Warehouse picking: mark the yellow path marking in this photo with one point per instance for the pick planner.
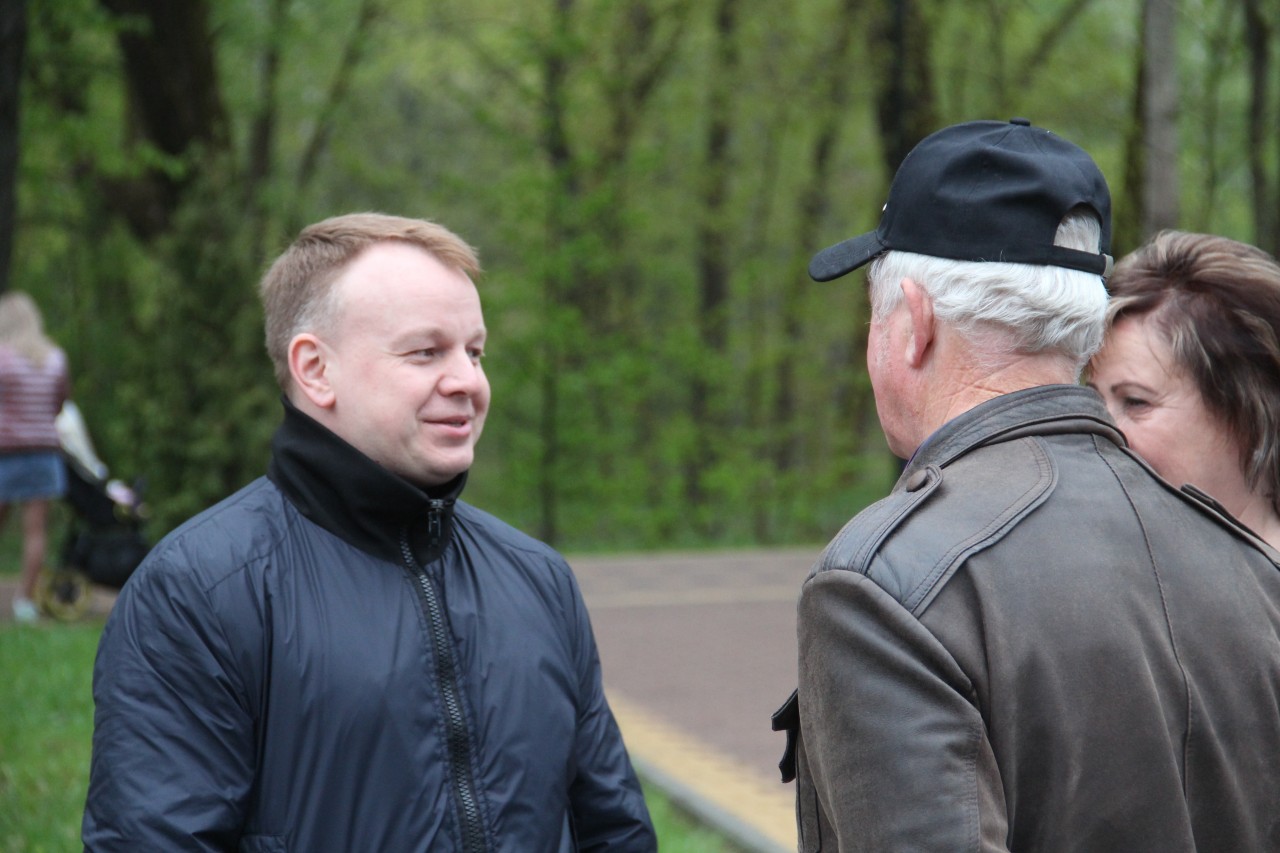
(763, 814)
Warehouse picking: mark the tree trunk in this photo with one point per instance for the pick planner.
(175, 104)
(1160, 184)
(900, 40)
(560, 277)
(712, 249)
(1219, 42)
(1257, 37)
(1128, 206)
(813, 205)
(1273, 246)
(13, 42)
(644, 46)
(713, 273)
(337, 94)
(262, 133)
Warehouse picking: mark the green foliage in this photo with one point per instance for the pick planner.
(210, 401)
(166, 350)
(621, 165)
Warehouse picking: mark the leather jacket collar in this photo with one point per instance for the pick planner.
(339, 488)
(1043, 410)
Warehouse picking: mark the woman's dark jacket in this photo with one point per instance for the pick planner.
(334, 660)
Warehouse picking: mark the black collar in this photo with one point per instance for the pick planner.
(339, 488)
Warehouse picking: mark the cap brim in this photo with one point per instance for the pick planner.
(845, 257)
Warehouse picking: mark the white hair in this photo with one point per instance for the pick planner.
(1008, 308)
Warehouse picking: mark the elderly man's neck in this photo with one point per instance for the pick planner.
(966, 374)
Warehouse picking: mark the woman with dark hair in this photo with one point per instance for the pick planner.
(1190, 369)
(33, 387)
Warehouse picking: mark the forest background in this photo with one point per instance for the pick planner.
(645, 181)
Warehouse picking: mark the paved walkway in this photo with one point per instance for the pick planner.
(698, 650)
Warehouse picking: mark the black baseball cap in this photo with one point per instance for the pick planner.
(984, 191)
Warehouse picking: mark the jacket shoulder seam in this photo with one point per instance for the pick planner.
(854, 547)
(1016, 505)
(167, 552)
(962, 508)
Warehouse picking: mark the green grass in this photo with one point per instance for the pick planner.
(45, 732)
(46, 725)
(677, 833)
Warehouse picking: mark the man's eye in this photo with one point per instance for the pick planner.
(1134, 403)
(476, 354)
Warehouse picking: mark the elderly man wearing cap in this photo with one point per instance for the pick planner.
(1033, 643)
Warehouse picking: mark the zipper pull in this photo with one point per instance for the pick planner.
(435, 523)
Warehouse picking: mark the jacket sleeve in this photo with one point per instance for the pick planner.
(609, 811)
(173, 742)
(895, 751)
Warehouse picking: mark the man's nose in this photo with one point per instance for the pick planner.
(462, 374)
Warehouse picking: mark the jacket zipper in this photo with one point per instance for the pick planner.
(458, 736)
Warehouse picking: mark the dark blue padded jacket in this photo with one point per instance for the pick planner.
(334, 660)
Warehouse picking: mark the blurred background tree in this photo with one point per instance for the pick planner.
(645, 180)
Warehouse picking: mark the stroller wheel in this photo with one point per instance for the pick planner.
(66, 594)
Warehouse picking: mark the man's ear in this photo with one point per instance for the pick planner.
(923, 330)
(309, 365)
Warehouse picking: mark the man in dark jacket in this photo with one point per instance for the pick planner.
(343, 656)
(1033, 643)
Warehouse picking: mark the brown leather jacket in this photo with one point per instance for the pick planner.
(1035, 644)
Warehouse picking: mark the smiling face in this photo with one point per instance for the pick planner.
(1160, 410)
(400, 368)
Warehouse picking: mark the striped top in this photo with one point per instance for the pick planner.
(30, 399)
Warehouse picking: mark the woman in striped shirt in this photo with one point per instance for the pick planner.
(33, 387)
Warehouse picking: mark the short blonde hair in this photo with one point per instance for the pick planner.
(297, 290)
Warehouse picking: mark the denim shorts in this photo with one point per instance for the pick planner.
(32, 474)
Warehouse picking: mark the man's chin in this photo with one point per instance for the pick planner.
(437, 474)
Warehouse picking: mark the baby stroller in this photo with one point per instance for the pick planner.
(104, 541)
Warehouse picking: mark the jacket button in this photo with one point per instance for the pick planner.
(917, 480)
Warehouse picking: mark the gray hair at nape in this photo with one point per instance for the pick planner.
(1006, 309)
